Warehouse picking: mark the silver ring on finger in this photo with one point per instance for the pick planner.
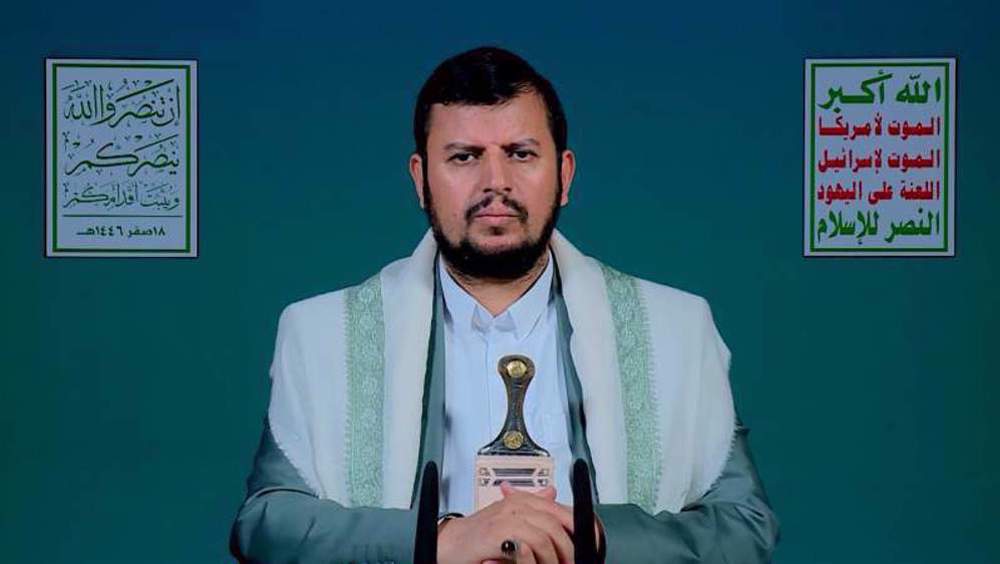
(509, 548)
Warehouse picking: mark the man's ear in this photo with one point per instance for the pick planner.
(417, 174)
(566, 170)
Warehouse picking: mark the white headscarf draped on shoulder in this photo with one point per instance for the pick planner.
(348, 371)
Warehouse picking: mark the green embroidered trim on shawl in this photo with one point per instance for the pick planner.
(365, 344)
(638, 395)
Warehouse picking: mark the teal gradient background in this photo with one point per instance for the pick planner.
(134, 389)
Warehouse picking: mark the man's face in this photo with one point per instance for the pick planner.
(492, 187)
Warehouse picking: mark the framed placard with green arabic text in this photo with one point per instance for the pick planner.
(879, 157)
(121, 158)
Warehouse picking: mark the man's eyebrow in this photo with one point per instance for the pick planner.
(463, 146)
(477, 149)
(530, 141)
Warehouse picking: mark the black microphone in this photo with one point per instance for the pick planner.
(584, 542)
(425, 547)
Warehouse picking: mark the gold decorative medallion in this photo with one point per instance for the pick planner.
(517, 369)
(513, 440)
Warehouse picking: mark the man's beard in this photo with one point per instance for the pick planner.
(504, 264)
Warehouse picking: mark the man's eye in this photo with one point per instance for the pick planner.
(522, 155)
(462, 157)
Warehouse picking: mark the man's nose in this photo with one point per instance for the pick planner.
(495, 172)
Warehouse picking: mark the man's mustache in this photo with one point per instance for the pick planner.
(512, 204)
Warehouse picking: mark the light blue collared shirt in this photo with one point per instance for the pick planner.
(475, 398)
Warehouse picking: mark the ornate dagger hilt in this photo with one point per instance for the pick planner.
(516, 371)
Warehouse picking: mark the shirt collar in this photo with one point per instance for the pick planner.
(520, 317)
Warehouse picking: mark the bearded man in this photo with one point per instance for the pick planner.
(372, 381)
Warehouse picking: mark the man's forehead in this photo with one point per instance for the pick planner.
(515, 120)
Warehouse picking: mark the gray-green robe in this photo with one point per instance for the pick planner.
(287, 519)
